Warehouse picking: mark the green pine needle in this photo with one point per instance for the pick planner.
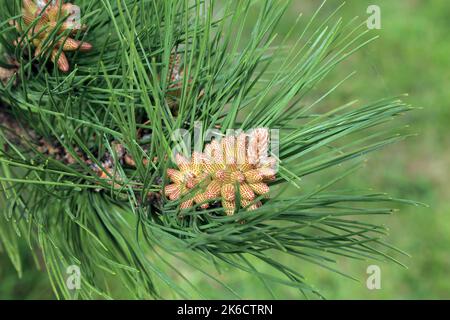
(69, 216)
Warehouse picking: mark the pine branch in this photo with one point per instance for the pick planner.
(77, 177)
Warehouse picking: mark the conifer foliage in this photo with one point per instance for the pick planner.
(93, 97)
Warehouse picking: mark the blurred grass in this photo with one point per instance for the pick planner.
(411, 56)
(33, 285)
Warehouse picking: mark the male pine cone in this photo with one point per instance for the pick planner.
(43, 19)
(235, 171)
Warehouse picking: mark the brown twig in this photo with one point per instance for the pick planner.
(19, 134)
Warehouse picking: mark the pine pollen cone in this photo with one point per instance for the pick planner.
(44, 19)
(234, 171)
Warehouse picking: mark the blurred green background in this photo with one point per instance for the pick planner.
(412, 56)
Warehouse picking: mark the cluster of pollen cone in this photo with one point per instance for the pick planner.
(42, 20)
(233, 172)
